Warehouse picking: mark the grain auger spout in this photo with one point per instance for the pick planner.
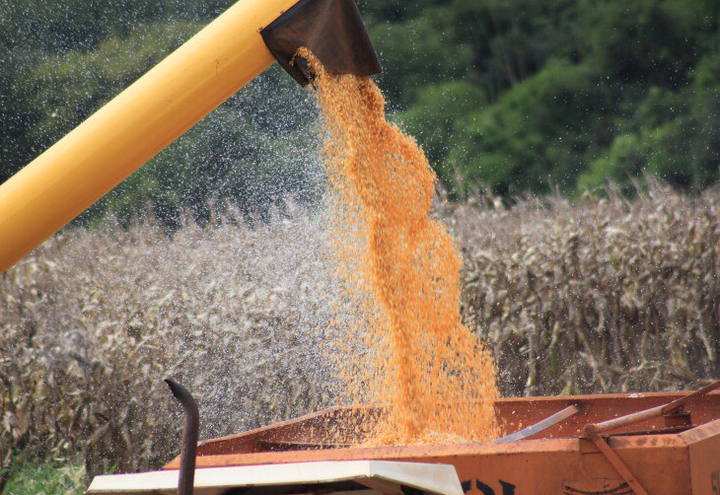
(167, 101)
(331, 29)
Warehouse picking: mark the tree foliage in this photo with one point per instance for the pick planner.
(517, 95)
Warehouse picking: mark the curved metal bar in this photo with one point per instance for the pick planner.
(186, 477)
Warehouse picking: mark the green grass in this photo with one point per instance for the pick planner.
(47, 479)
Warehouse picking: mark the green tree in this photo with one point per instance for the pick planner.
(433, 120)
(536, 135)
(63, 90)
(516, 94)
(417, 52)
(655, 42)
(674, 135)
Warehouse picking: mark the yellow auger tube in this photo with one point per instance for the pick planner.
(135, 126)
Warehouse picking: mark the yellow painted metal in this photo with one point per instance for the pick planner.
(133, 127)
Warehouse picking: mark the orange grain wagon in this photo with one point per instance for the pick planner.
(654, 443)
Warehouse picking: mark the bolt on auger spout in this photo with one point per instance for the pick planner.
(167, 101)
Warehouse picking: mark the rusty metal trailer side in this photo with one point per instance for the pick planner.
(668, 455)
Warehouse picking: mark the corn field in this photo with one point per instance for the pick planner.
(599, 295)
(595, 295)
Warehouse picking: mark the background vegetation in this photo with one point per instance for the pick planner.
(93, 320)
(604, 295)
(516, 95)
(47, 479)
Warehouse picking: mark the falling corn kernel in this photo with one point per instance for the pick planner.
(433, 377)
